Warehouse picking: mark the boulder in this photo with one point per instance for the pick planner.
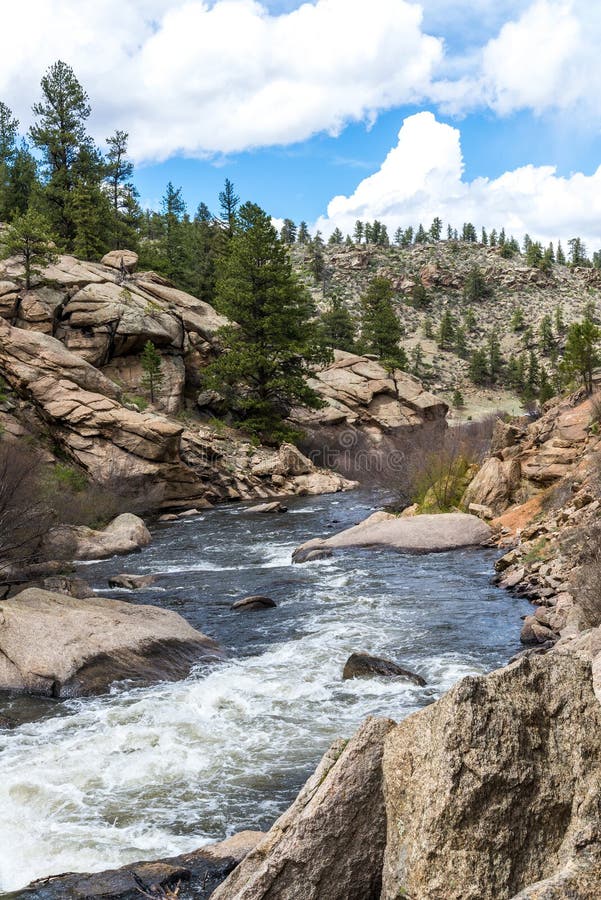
(363, 665)
(58, 646)
(253, 604)
(70, 585)
(413, 534)
(330, 843)
(131, 582)
(197, 875)
(494, 485)
(496, 786)
(125, 534)
(124, 260)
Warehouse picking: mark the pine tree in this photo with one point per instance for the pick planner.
(484, 238)
(358, 232)
(417, 360)
(421, 235)
(60, 135)
(495, 359)
(458, 401)
(288, 232)
(461, 348)
(152, 364)
(518, 321)
(337, 325)
(8, 148)
(546, 338)
(428, 328)
(229, 202)
(493, 238)
(559, 322)
(419, 296)
(475, 286)
(270, 350)
(577, 252)
(317, 262)
(336, 237)
(29, 237)
(173, 210)
(469, 233)
(21, 183)
(303, 234)
(561, 258)
(380, 328)
(545, 388)
(469, 320)
(123, 194)
(478, 369)
(436, 229)
(446, 331)
(581, 355)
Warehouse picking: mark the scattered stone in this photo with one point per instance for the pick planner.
(131, 582)
(253, 603)
(363, 665)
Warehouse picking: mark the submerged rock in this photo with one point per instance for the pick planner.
(57, 646)
(414, 534)
(131, 582)
(254, 603)
(197, 875)
(363, 665)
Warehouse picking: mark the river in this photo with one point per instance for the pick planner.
(150, 772)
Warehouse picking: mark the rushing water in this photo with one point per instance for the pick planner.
(90, 784)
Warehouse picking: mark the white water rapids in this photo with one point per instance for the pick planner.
(153, 772)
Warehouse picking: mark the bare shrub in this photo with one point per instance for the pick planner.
(437, 473)
(585, 582)
(25, 516)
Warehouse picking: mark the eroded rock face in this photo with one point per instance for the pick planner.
(330, 843)
(413, 534)
(58, 646)
(496, 786)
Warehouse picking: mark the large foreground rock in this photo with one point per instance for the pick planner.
(414, 534)
(197, 874)
(330, 843)
(57, 646)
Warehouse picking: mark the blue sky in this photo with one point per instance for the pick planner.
(336, 109)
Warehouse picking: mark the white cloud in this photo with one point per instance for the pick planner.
(422, 177)
(201, 78)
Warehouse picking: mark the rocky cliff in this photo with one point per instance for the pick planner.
(70, 357)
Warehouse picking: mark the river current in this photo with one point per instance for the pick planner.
(142, 773)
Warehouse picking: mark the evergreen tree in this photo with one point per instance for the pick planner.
(436, 229)
(493, 238)
(461, 348)
(577, 252)
(561, 258)
(228, 203)
(469, 233)
(173, 210)
(484, 238)
(581, 354)
(532, 377)
(518, 321)
(408, 236)
(20, 184)
(559, 322)
(8, 148)
(336, 237)
(337, 326)
(269, 351)
(446, 331)
(475, 286)
(29, 237)
(303, 233)
(60, 134)
(317, 262)
(417, 360)
(495, 359)
(458, 401)
(380, 328)
(152, 364)
(419, 296)
(469, 320)
(398, 237)
(545, 388)
(123, 194)
(358, 232)
(478, 369)
(288, 232)
(421, 235)
(546, 338)
(428, 328)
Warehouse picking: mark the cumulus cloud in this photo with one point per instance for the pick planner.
(422, 177)
(198, 78)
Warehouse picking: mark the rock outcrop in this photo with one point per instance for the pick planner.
(491, 793)
(363, 665)
(125, 534)
(407, 534)
(368, 416)
(58, 646)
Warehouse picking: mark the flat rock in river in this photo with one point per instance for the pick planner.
(416, 534)
(58, 646)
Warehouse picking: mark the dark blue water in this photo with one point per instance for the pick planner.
(152, 772)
